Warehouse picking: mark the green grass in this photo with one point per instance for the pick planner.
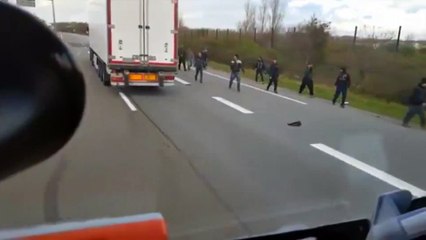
(360, 101)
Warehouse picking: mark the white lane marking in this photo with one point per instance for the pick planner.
(182, 81)
(385, 177)
(233, 105)
(258, 89)
(128, 102)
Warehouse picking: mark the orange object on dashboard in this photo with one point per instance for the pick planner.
(150, 226)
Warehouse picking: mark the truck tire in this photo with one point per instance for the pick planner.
(98, 69)
(105, 76)
(91, 58)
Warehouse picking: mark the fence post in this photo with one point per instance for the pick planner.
(240, 34)
(355, 36)
(227, 34)
(217, 34)
(272, 37)
(254, 35)
(399, 38)
(294, 29)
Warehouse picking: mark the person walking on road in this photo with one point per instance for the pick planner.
(190, 59)
(417, 102)
(236, 68)
(260, 69)
(274, 74)
(308, 80)
(343, 83)
(182, 58)
(205, 56)
(199, 65)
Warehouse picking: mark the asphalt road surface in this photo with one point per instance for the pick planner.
(216, 163)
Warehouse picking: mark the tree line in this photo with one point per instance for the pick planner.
(268, 16)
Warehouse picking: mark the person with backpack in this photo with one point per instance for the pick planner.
(236, 68)
(199, 67)
(416, 103)
(308, 80)
(343, 83)
(274, 73)
(260, 69)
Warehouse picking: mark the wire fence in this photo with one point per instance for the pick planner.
(374, 37)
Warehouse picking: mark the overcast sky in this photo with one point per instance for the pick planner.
(380, 16)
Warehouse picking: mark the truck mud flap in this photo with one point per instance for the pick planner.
(126, 80)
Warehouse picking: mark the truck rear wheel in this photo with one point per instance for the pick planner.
(91, 58)
(105, 76)
(99, 68)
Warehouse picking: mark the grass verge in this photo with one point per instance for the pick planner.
(360, 101)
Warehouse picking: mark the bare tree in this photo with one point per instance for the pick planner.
(409, 37)
(249, 23)
(263, 16)
(276, 13)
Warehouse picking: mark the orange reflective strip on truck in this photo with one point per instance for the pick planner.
(150, 226)
(152, 230)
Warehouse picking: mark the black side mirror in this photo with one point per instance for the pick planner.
(42, 92)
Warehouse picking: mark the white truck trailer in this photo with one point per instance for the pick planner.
(134, 42)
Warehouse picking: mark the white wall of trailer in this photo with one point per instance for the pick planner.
(98, 29)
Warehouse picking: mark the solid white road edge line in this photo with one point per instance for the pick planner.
(182, 81)
(258, 89)
(233, 105)
(128, 102)
(385, 177)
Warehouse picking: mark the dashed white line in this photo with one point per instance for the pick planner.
(182, 81)
(233, 105)
(128, 102)
(385, 177)
(258, 89)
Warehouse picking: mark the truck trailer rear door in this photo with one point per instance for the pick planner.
(126, 31)
(160, 21)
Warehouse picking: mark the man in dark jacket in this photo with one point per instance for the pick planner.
(236, 68)
(343, 83)
(308, 80)
(199, 65)
(417, 101)
(182, 58)
(274, 74)
(205, 56)
(260, 69)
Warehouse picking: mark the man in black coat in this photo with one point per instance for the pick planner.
(182, 58)
(199, 66)
(274, 73)
(417, 101)
(260, 69)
